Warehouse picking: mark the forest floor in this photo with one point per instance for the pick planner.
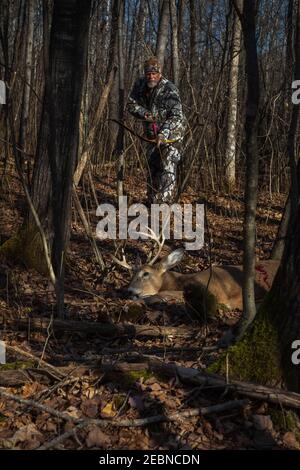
(107, 377)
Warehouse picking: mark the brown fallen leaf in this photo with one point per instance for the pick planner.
(28, 434)
(155, 387)
(30, 389)
(97, 438)
(90, 408)
(290, 440)
(74, 412)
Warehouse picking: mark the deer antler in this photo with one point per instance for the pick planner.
(122, 262)
(152, 235)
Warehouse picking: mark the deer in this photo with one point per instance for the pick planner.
(205, 291)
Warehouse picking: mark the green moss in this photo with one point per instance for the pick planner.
(130, 378)
(256, 357)
(26, 247)
(17, 365)
(285, 420)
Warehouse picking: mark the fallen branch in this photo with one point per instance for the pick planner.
(150, 420)
(126, 422)
(253, 390)
(54, 370)
(13, 378)
(62, 437)
(18, 377)
(195, 376)
(179, 415)
(103, 329)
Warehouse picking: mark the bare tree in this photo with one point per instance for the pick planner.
(293, 52)
(175, 49)
(251, 129)
(120, 138)
(193, 44)
(28, 74)
(163, 32)
(231, 132)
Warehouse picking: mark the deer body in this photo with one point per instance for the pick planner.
(223, 282)
(203, 291)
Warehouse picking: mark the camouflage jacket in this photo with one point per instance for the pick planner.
(164, 103)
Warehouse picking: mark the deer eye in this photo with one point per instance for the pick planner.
(146, 274)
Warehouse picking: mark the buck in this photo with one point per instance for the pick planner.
(203, 291)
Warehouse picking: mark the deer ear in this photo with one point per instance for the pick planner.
(171, 260)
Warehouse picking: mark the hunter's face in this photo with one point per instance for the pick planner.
(152, 79)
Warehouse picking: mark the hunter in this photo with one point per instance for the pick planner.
(156, 101)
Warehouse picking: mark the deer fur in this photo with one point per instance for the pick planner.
(223, 284)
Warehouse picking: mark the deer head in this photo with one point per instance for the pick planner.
(147, 279)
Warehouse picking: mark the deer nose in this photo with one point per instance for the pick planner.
(133, 292)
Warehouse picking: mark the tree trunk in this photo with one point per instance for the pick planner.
(267, 353)
(193, 45)
(139, 46)
(175, 50)
(231, 133)
(251, 127)
(112, 60)
(278, 247)
(28, 74)
(120, 138)
(293, 198)
(163, 31)
(264, 354)
(94, 126)
(292, 135)
(68, 49)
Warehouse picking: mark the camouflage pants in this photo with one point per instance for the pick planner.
(162, 181)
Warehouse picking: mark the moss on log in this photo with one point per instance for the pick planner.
(257, 356)
(26, 247)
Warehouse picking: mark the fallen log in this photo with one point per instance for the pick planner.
(58, 374)
(252, 390)
(19, 377)
(102, 329)
(13, 378)
(198, 377)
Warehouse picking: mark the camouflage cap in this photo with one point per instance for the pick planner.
(152, 65)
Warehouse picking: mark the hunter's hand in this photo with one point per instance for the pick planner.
(149, 117)
(159, 140)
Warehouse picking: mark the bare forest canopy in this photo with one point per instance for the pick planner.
(198, 57)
